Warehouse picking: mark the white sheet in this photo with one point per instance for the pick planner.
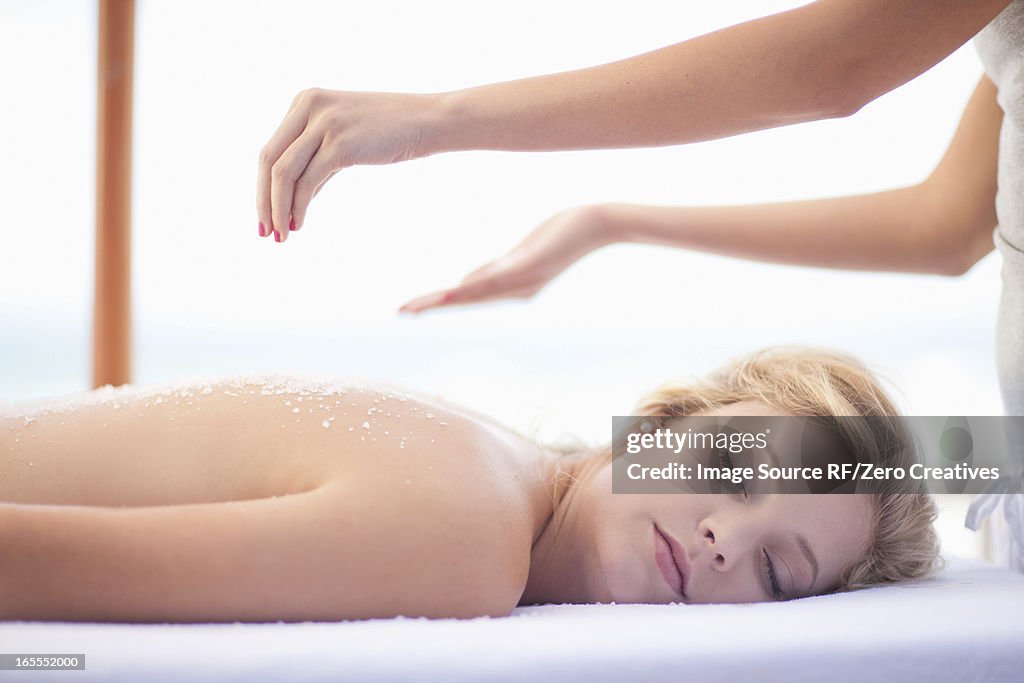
(966, 625)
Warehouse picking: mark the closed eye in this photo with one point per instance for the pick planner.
(776, 590)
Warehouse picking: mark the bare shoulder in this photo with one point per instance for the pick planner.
(440, 501)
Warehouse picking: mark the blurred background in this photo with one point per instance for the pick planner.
(211, 298)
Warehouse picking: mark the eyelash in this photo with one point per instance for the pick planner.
(776, 591)
(726, 460)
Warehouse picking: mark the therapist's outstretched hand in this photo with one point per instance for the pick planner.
(552, 247)
(326, 131)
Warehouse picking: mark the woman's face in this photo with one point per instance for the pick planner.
(720, 544)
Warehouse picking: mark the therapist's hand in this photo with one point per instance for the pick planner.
(326, 131)
(552, 247)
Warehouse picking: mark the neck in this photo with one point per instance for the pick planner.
(556, 573)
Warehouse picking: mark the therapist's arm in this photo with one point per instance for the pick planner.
(822, 60)
(826, 59)
(942, 225)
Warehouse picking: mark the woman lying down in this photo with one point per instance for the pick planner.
(279, 499)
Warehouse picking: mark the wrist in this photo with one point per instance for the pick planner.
(445, 124)
(604, 225)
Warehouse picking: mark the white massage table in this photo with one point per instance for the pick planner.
(965, 625)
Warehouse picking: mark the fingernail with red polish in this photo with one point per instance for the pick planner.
(291, 226)
(263, 231)
(277, 236)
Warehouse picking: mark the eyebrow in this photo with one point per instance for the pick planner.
(805, 548)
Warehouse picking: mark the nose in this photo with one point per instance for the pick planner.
(709, 543)
(724, 553)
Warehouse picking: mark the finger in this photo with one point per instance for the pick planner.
(291, 127)
(285, 172)
(454, 297)
(318, 171)
(423, 302)
(464, 293)
(468, 292)
(321, 185)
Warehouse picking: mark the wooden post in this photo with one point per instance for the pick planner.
(111, 335)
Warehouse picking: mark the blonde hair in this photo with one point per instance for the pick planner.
(903, 544)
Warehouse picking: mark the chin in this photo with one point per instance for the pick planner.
(619, 573)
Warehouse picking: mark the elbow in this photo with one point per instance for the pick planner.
(839, 101)
(849, 110)
(953, 266)
(961, 259)
(845, 104)
(956, 229)
(851, 94)
(855, 82)
(841, 90)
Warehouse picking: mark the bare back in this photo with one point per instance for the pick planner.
(327, 500)
(239, 439)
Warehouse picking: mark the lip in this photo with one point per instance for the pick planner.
(671, 561)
